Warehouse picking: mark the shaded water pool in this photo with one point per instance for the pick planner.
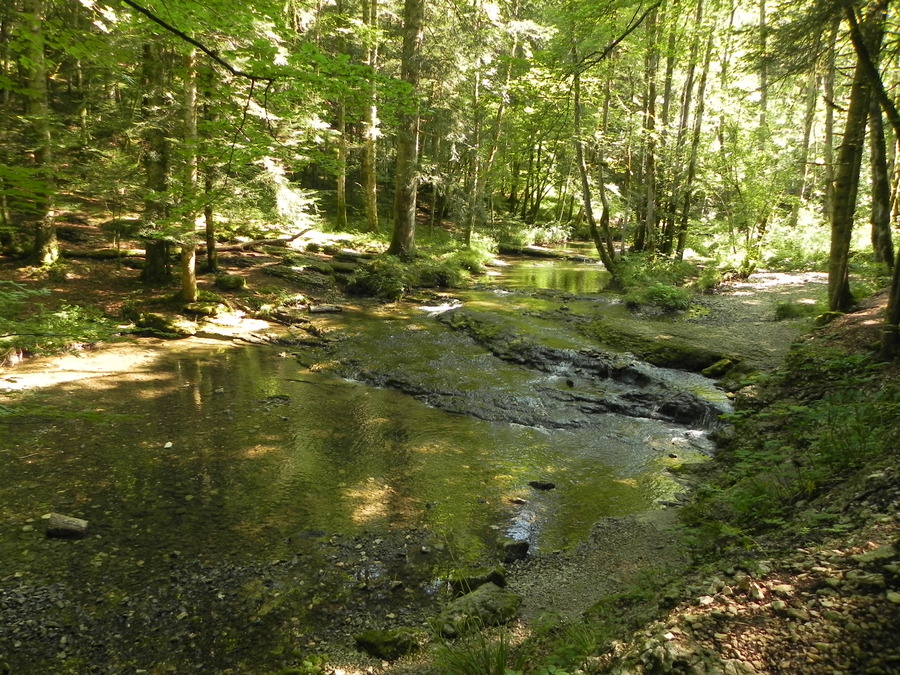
(230, 452)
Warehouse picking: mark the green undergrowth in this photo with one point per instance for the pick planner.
(662, 282)
(825, 417)
(389, 278)
(28, 327)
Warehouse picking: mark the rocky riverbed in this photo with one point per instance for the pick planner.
(198, 606)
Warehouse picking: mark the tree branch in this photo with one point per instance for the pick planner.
(199, 45)
(594, 58)
(871, 70)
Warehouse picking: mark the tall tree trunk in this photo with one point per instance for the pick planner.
(847, 173)
(882, 244)
(688, 187)
(763, 68)
(798, 189)
(828, 131)
(189, 190)
(155, 157)
(599, 234)
(45, 250)
(648, 241)
(476, 186)
(341, 179)
(370, 144)
(403, 239)
(209, 173)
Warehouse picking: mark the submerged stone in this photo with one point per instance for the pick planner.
(514, 549)
(60, 526)
(542, 484)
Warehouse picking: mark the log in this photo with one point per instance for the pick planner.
(243, 246)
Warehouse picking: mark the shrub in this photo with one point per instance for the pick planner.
(386, 278)
(670, 298)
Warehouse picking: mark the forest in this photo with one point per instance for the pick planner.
(728, 168)
(749, 134)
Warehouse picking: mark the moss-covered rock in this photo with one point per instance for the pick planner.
(205, 308)
(230, 282)
(659, 348)
(162, 325)
(488, 605)
(467, 580)
(389, 645)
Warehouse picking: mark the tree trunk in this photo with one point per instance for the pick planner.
(155, 158)
(828, 131)
(688, 188)
(370, 144)
(846, 183)
(209, 173)
(403, 239)
(341, 179)
(882, 244)
(600, 235)
(798, 189)
(45, 250)
(189, 291)
(648, 240)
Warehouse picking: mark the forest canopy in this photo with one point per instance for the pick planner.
(752, 134)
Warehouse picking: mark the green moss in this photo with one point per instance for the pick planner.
(660, 349)
(230, 282)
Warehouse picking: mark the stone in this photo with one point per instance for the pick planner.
(466, 581)
(325, 309)
(514, 550)
(542, 484)
(893, 597)
(60, 526)
(388, 645)
(882, 554)
(488, 605)
(718, 369)
(783, 590)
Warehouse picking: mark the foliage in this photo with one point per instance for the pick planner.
(480, 654)
(785, 309)
(793, 449)
(658, 281)
(29, 327)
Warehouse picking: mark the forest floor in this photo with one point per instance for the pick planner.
(802, 600)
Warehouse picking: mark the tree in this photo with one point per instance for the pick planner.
(45, 249)
(406, 180)
(846, 184)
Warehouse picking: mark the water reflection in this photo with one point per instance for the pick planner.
(233, 452)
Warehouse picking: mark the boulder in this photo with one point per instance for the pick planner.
(66, 527)
(388, 645)
(487, 605)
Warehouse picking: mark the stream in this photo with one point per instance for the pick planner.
(251, 504)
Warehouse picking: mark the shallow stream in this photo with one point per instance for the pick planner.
(216, 456)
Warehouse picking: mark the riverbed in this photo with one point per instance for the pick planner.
(252, 504)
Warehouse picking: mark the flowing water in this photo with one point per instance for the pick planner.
(239, 454)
